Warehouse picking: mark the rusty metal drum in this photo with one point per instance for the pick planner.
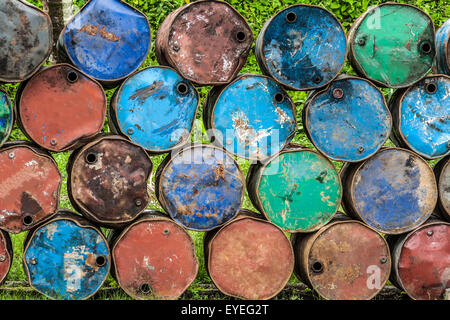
(30, 186)
(107, 180)
(344, 260)
(6, 255)
(421, 261)
(443, 49)
(155, 108)
(25, 41)
(200, 186)
(421, 117)
(392, 44)
(299, 190)
(248, 257)
(59, 108)
(442, 173)
(207, 42)
(253, 117)
(66, 258)
(302, 47)
(349, 120)
(6, 116)
(393, 192)
(153, 257)
(107, 39)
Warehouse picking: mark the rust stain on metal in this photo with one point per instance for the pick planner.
(93, 30)
(142, 94)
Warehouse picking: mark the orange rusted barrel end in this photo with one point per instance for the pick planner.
(6, 255)
(249, 257)
(153, 258)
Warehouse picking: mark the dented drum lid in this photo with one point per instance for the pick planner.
(107, 39)
(253, 117)
(201, 187)
(442, 173)
(155, 108)
(107, 180)
(25, 41)
(66, 258)
(349, 120)
(421, 117)
(298, 190)
(153, 257)
(393, 192)
(6, 255)
(392, 44)
(60, 107)
(6, 116)
(29, 188)
(302, 47)
(249, 257)
(207, 42)
(443, 49)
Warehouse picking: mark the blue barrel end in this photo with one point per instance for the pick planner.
(443, 49)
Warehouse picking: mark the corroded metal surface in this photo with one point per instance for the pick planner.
(60, 107)
(421, 117)
(443, 49)
(298, 190)
(107, 180)
(392, 44)
(394, 191)
(107, 39)
(253, 117)
(442, 173)
(344, 260)
(421, 261)
(303, 47)
(201, 187)
(6, 255)
(67, 258)
(249, 257)
(25, 39)
(155, 108)
(347, 121)
(29, 188)
(6, 116)
(206, 41)
(153, 258)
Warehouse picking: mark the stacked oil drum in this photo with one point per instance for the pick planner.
(397, 208)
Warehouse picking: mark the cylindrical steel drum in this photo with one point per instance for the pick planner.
(249, 257)
(207, 42)
(393, 192)
(107, 180)
(348, 120)
(29, 188)
(421, 261)
(59, 108)
(26, 39)
(344, 260)
(392, 44)
(6, 116)
(6, 255)
(155, 108)
(421, 117)
(107, 39)
(66, 258)
(302, 47)
(299, 190)
(153, 257)
(201, 187)
(442, 173)
(253, 117)
(443, 49)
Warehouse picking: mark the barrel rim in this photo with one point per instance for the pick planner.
(439, 169)
(443, 64)
(11, 118)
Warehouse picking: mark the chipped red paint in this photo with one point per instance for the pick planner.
(153, 258)
(29, 188)
(60, 107)
(207, 42)
(6, 255)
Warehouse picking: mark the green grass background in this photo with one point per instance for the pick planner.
(256, 12)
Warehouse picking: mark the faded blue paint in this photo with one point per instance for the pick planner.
(425, 118)
(61, 249)
(202, 188)
(149, 104)
(350, 128)
(105, 59)
(305, 54)
(442, 48)
(248, 122)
